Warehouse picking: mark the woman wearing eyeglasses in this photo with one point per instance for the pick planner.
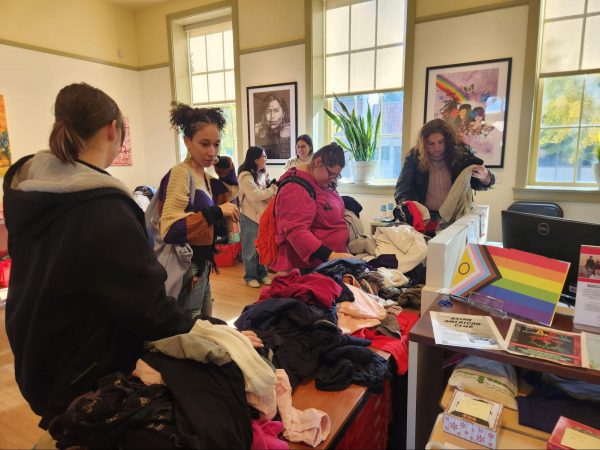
(304, 150)
(255, 192)
(310, 232)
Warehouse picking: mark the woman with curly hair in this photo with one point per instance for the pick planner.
(201, 221)
(431, 167)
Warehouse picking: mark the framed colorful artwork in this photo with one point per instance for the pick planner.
(5, 157)
(272, 120)
(473, 98)
(124, 156)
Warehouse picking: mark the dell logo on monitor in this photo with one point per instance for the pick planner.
(543, 229)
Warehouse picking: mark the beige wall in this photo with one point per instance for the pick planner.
(94, 29)
(151, 29)
(427, 8)
(267, 22)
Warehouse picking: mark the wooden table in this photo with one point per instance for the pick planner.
(342, 407)
(425, 375)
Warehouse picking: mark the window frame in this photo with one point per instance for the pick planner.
(377, 184)
(529, 126)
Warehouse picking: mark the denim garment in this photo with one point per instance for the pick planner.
(252, 269)
(196, 300)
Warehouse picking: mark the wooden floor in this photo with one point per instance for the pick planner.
(18, 424)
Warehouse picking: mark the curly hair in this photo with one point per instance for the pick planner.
(452, 141)
(188, 120)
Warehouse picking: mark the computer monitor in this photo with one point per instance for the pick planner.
(552, 237)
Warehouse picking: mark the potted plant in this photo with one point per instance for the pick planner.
(361, 137)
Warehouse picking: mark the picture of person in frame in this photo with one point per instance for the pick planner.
(273, 131)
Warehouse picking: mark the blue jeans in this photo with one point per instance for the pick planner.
(197, 298)
(252, 269)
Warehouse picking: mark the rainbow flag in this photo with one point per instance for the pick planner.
(528, 285)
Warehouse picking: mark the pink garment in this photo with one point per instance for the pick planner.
(310, 426)
(311, 288)
(304, 225)
(363, 312)
(397, 347)
(264, 436)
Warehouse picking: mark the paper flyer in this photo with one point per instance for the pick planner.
(587, 300)
(546, 343)
(465, 330)
(592, 344)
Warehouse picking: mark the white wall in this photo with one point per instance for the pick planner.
(279, 65)
(158, 142)
(29, 82)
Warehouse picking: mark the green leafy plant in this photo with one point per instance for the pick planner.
(597, 152)
(359, 131)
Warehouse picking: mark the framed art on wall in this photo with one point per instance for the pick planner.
(124, 156)
(5, 156)
(473, 98)
(272, 119)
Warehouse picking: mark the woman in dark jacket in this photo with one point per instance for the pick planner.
(431, 167)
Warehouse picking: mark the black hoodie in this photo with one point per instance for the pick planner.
(85, 289)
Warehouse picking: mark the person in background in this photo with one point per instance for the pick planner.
(431, 167)
(256, 190)
(86, 289)
(273, 131)
(202, 222)
(304, 151)
(310, 232)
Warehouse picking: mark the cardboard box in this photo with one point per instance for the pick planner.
(570, 435)
(473, 418)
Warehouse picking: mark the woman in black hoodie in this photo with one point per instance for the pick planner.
(86, 289)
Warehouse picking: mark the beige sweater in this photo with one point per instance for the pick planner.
(253, 197)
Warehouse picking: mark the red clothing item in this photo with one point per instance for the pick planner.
(264, 436)
(397, 347)
(304, 225)
(312, 288)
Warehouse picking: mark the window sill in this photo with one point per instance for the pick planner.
(557, 194)
(366, 189)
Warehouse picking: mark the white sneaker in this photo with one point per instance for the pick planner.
(253, 283)
(266, 281)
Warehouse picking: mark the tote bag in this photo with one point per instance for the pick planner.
(175, 258)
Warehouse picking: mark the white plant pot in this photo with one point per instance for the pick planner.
(363, 171)
(597, 173)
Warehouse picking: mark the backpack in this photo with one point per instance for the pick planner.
(176, 259)
(266, 246)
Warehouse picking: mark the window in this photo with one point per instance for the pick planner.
(567, 109)
(364, 65)
(389, 150)
(204, 55)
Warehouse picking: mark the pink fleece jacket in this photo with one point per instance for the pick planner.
(305, 226)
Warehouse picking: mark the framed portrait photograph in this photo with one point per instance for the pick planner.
(473, 98)
(272, 120)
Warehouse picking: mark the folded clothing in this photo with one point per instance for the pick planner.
(485, 378)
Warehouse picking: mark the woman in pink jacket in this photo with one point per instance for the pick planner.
(310, 232)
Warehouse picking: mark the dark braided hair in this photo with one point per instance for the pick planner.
(188, 120)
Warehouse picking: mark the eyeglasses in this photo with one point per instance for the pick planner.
(332, 175)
